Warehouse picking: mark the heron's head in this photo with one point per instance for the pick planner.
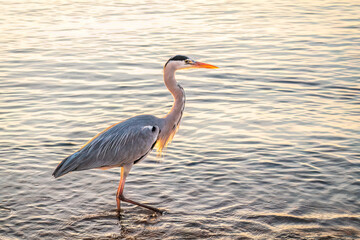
(183, 62)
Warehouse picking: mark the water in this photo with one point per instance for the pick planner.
(269, 143)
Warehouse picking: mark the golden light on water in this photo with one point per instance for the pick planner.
(268, 143)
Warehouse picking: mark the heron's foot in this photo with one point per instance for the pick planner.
(118, 215)
(122, 198)
(118, 210)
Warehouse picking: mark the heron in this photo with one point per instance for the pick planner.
(127, 143)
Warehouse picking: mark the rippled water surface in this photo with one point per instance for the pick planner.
(269, 143)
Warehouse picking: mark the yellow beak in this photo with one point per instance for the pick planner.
(203, 65)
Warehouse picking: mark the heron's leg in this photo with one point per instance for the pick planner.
(119, 195)
(120, 189)
(140, 204)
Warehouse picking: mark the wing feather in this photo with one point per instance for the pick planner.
(120, 144)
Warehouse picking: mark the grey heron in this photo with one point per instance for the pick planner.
(129, 142)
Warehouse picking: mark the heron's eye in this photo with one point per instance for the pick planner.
(188, 61)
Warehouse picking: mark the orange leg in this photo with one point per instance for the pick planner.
(120, 197)
(120, 190)
(141, 205)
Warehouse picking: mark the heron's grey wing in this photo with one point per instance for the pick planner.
(124, 143)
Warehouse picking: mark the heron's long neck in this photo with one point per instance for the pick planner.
(175, 114)
(172, 119)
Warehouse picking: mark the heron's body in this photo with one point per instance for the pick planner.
(129, 142)
(106, 150)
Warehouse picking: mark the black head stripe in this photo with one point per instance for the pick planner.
(177, 58)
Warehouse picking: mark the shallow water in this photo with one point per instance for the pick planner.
(269, 143)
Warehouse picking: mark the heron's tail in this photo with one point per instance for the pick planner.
(67, 165)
